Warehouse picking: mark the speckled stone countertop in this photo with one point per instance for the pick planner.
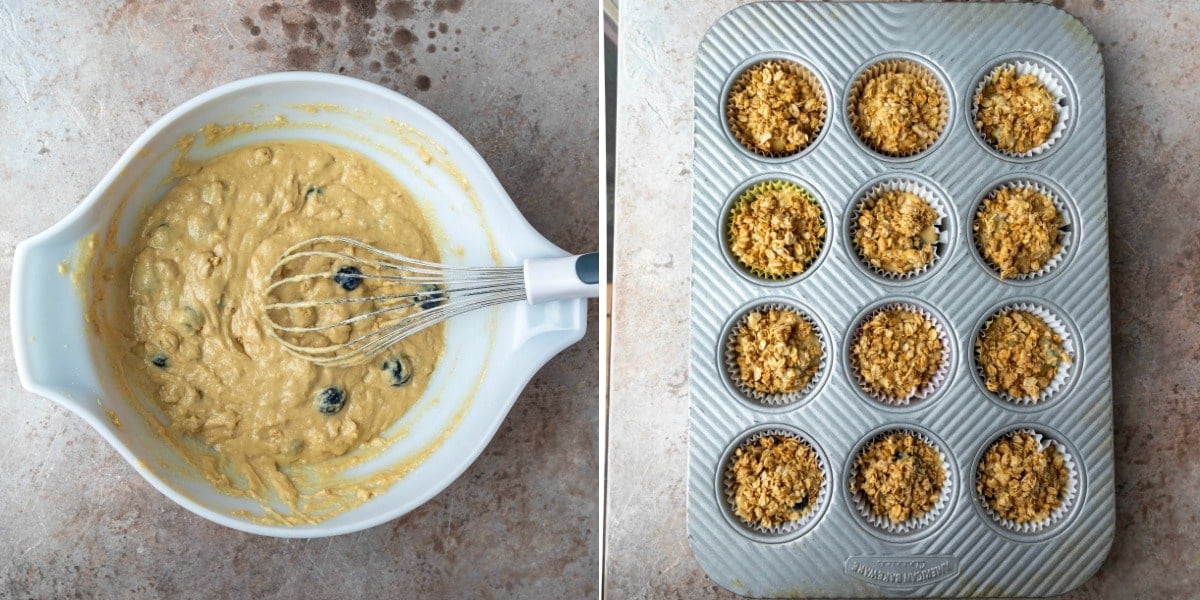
(81, 80)
(1153, 90)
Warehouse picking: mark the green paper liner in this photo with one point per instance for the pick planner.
(751, 194)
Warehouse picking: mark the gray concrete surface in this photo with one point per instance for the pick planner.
(1153, 88)
(518, 78)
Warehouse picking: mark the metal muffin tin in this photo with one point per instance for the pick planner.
(962, 552)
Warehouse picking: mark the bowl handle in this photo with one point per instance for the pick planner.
(49, 332)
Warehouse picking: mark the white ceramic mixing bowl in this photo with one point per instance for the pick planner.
(490, 354)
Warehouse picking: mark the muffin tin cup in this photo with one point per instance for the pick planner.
(1060, 513)
(943, 225)
(791, 64)
(1052, 83)
(924, 392)
(898, 63)
(881, 523)
(1061, 376)
(741, 194)
(1066, 239)
(728, 487)
(733, 372)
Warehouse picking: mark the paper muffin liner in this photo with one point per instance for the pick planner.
(895, 65)
(1064, 241)
(750, 194)
(1061, 376)
(1056, 515)
(863, 507)
(939, 377)
(781, 399)
(1052, 85)
(914, 187)
(789, 66)
(789, 527)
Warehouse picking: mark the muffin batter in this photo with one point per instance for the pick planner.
(191, 337)
(900, 476)
(897, 231)
(777, 351)
(776, 108)
(775, 480)
(776, 229)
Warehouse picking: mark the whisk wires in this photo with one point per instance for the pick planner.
(311, 300)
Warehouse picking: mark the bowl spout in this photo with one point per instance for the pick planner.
(48, 323)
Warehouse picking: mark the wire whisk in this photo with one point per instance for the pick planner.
(316, 310)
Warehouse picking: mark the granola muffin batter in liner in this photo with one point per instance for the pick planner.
(776, 108)
(1048, 81)
(938, 234)
(863, 506)
(810, 511)
(1061, 375)
(1068, 496)
(1064, 230)
(734, 371)
(885, 134)
(935, 380)
(764, 243)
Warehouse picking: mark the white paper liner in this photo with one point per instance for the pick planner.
(915, 523)
(815, 508)
(1056, 515)
(1066, 230)
(896, 65)
(939, 377)
(913, 187)
(1064, 368)
(793, 67)
(733, 371)
(1052, 84)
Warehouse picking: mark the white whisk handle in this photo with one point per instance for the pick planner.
(562, 278)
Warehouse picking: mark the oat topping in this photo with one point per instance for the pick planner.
(900, 476)
(899, 113)
(1019, 354)
(778, 351)
(777, 479)
(1018, 229)
(776, 107)
(776, 229)
(896, 231)
(897, 353)
(1021, 481)
(1016, 113)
